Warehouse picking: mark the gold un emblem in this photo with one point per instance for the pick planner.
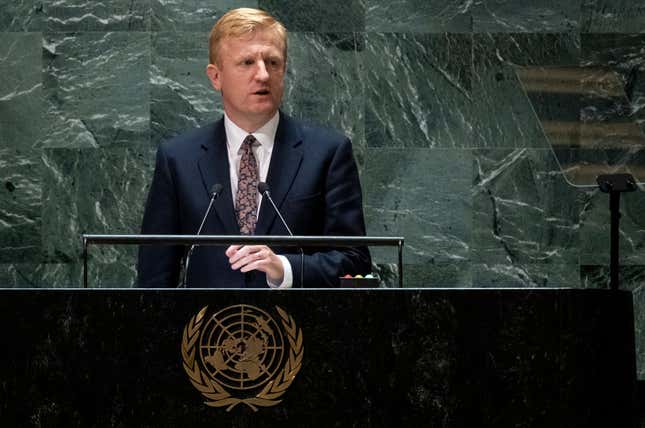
(242, 355)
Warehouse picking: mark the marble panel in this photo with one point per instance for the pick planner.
(97, 15)
(24, 15)
(517, 16)
(623, 54)
(505, 117)
(193, 15)
(524, 275)
(595, 228)
(108, 267)
(524, 214)
(620, 51)
(418, 90)
(20, 165)
(96, 88)
(425, 275)
(491, 52)
(181, 94)
(20, 89)
(95, 191)
(419, 16)
(632, 277)
(312, 15)
(613, 16)
(42, 275)
(20, 205)
(457, 274)
(423, 195)
(324, 83)
(75, 15)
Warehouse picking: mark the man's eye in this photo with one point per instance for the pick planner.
(248, 62)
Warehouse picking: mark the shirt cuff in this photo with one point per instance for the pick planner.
(287, 279)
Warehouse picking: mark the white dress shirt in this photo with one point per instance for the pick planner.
(265, 135)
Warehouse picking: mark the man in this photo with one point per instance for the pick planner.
(311, 173)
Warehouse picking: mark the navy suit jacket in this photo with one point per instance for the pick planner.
(313, 180)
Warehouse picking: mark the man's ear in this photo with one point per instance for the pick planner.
(213, 73)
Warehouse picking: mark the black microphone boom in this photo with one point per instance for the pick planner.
(216, 189)
(263, 188)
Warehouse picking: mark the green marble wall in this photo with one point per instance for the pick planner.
(451, 153)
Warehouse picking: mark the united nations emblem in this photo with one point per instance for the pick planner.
(242, 355)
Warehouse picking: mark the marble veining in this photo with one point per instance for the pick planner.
(512, 16)
(419, 16)
(513, 226)
(417, 90)
(613, 16)
(95, 191)
(20, 206)
(312, 15)
(181, 95)
(436, 225)
(96, 87)
(324, 83)
(192, 15)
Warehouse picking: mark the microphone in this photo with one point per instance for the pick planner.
(216, 189)
(263, 188)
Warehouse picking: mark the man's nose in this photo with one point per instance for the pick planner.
(262, 72)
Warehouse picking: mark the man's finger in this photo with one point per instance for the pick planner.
(230, 251)
(241, 252)
(241, 260)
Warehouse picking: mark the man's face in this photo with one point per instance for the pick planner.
(250, 74)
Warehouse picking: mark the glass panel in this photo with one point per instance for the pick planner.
(589, 121)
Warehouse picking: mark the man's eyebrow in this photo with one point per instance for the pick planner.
(242, 56)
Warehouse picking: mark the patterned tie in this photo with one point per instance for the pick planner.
(246, 200)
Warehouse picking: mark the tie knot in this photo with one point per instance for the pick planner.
(250, 140)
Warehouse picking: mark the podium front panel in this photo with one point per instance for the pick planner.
(268, 358)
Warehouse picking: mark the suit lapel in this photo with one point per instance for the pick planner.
(285, 163)
(214, 168)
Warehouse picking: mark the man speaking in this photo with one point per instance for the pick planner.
(310, 171)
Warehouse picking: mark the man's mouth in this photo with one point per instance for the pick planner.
(262, 92)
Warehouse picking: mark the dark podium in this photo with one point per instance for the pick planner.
(357, 358)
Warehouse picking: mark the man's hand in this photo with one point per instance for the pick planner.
(256, 257)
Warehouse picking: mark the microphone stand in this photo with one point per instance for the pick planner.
(264, 190)
(215, 191)
(615, 184)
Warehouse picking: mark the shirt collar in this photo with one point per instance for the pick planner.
(265, 134)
